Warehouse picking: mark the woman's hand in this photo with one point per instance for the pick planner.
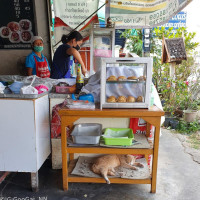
(77, 56)
(83, 70)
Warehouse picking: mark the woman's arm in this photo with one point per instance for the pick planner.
(77, 56)
(30, 65)
(29, 71)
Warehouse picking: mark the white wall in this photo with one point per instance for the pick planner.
(193, 16)
(13, 61)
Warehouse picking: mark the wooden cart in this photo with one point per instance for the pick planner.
(152, 116)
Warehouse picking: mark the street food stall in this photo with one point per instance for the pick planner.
(116, 94)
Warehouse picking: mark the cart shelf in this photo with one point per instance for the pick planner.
(152, 116)
(78, 179)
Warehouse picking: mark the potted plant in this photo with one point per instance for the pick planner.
(191, 101)
(190, 114)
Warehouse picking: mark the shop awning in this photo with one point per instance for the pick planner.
(144, 13)
(127, 14)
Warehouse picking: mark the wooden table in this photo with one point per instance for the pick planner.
(152, 116)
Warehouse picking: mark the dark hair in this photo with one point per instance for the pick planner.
(73, 35)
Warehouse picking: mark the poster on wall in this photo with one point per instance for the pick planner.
(17, 24)
(69, 14)
(73, 12)
(144, 13)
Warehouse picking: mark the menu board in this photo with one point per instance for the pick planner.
(17, 24)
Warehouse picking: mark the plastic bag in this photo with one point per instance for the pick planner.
(41, 88)
(16, 87)
(80, 104)
(35, 80)
(29, 90)
(2, 87)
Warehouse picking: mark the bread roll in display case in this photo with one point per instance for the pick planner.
(126, 82)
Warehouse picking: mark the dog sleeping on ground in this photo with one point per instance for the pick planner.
(105, 165)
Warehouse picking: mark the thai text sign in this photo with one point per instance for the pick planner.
(177, 21)
(73, 12)
(144, 13)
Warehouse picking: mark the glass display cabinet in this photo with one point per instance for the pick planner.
(126, 82)
(102, 41)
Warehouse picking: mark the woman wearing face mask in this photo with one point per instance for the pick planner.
(36, 62)
(61, 60)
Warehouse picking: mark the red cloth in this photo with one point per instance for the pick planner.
(42, 69)
(56, 121)
(139, 126)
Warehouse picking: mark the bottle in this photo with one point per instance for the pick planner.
(79, 79)
(72, 67)
(152, 96)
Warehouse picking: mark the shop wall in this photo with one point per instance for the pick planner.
(13, 61)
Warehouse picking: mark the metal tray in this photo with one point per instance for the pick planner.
(88, 133)
(23, 96)
(127, 81)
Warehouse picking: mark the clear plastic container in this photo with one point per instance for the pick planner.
(118, 136)
(65, 89)
(88, 133)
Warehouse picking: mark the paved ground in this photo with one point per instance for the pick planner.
(178, 179)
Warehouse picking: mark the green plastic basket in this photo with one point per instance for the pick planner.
(118, 136)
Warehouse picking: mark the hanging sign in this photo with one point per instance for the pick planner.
(69, 14)
(17, 24)
(144, 13)
(73, 12)
(177, 21)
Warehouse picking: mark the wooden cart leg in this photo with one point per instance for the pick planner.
(148, 129)
(71, 156)
(65, 173)
(64, 153)
(155, 157)
(65, 122)
(34, 181)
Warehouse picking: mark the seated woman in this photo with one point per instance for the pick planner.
(36, 62)
(61, 60)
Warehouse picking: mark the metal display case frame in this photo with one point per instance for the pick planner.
(147, 61)
(98, 31)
